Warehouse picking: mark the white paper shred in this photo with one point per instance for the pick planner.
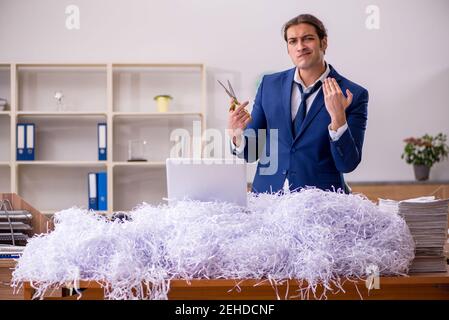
(314, 236)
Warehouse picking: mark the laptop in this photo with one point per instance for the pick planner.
(206, 179)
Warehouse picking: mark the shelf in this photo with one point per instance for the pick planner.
(63, 163)
(156, 164)
(133, 185)
(5, 178)
(157, 114)
(60, 138)
(56, 187)
(5, 140)
(62, 65)
(136, 85)
(4, 163)
(5, 87)
(84, 87)
(52, 212)
(154, 131)
(159, 65)
(60, 114)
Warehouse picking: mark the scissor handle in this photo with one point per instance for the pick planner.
(234, 104)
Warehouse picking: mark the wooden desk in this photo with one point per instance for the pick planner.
(401, 190)
(6, 292)
(419, 286)
(40, 224)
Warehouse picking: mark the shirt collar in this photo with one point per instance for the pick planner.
(323, 76)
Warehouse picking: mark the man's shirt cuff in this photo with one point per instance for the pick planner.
(238, 150)
(335, 135)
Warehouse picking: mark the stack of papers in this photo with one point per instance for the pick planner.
(427, 219)
(446, 250)
(15, 224)
(388, 205)
(11, 252)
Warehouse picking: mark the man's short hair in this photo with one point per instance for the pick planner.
(309, 19)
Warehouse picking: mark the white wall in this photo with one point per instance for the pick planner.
(404, 64)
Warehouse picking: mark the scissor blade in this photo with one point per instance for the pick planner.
(232, 90)
(227, 91)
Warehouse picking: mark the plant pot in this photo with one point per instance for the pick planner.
(421, 172)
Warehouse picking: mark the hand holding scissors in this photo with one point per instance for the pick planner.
(238, 117)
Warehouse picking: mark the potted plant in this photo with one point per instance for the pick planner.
(424, 152)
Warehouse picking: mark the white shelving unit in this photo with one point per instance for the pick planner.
(5, 129)
(121, 95)
(62, 163)
(5, 180)
(58, 114)
(5, 123)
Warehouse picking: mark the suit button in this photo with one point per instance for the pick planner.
(293, 150)
(284, 171)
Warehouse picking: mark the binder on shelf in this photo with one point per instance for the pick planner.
(30, 141)
(102, 188)
(25, 141)
(20, 142)
(102, 141)
(92, 190)
(10, 255)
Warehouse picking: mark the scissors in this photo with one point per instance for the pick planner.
(230, 93)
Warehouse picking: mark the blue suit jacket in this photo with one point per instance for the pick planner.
(311, 158)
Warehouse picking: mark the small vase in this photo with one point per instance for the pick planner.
(162, 102)
(137, 150)
(421, 172)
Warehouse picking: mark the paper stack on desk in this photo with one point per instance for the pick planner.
(15, 227)
(388, 205)
(427, 220)
(11, 252)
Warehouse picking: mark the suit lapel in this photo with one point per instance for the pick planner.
(317, 105)
(286, 99)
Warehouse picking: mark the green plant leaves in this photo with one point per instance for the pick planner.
(426, 150)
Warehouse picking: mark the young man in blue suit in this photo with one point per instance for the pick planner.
(307, 124)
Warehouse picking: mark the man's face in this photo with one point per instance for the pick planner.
(304, 47)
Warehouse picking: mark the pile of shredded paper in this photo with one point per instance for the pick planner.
(317, 237)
